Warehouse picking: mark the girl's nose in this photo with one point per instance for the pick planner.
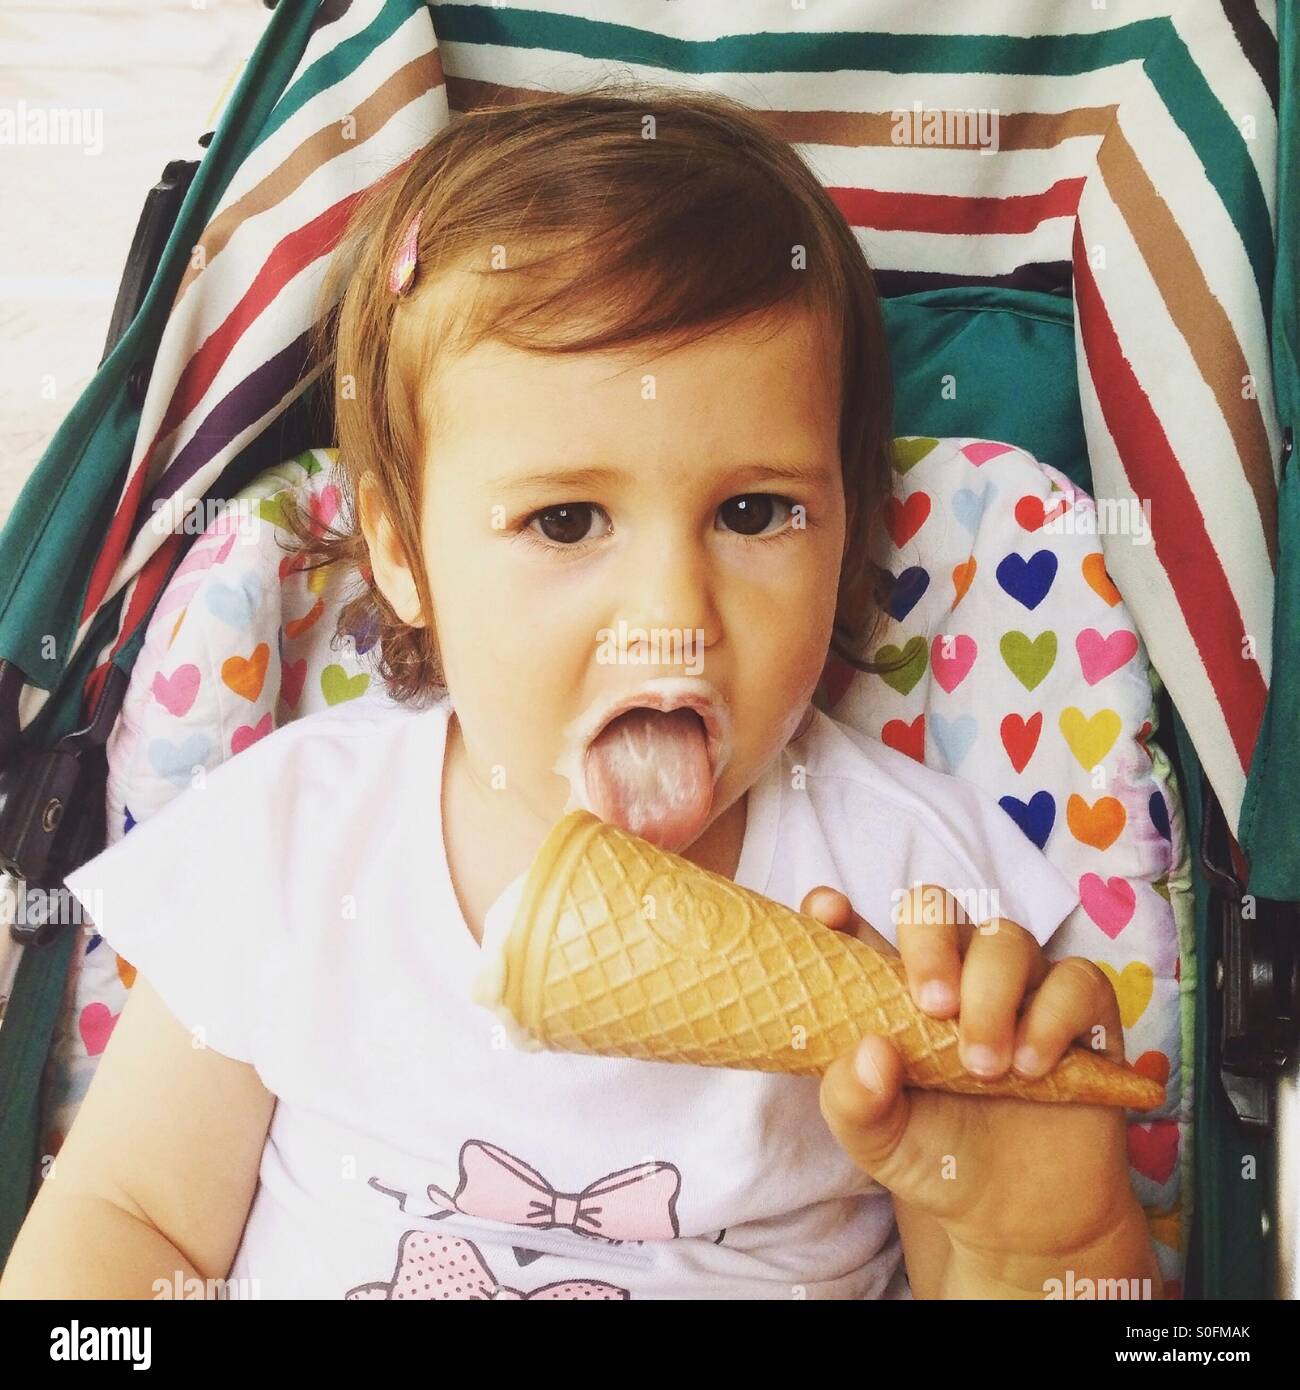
(670, 587)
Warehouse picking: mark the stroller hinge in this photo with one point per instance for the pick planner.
(1256, 967)
(1258, 978)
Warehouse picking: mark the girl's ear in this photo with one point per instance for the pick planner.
(393, 577)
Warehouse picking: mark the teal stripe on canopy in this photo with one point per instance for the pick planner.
(1268, 828)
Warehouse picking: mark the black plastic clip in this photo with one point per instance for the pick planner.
(1256, 974)
(52, 817)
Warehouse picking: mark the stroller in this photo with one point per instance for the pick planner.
(1097, 268)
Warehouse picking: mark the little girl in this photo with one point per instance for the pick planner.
(614, 417)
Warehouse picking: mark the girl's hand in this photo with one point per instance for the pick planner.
(1014, 1184)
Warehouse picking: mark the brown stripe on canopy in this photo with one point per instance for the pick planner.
(1018, 130)
(410, 82)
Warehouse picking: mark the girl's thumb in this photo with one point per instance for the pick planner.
(866, 1107)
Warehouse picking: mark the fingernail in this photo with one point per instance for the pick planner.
(936, 997)
(868, 1073)
(980, 1059)
(1027, 1060)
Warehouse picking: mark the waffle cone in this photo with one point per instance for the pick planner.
(622, 949)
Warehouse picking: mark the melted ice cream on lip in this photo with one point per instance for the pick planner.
(647, 771)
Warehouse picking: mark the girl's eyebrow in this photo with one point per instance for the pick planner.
(811, 472)
(808, 471)
(546, 478)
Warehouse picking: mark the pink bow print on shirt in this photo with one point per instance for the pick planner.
(434, 1266)
(638, 1203)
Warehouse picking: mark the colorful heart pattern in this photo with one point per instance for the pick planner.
(235, 604)
(1099, 824)
(909, 587)
(1035, 817)
(982, 450)
(246, 675)
(293, 676)
(961, 579)
(908, 452)
(1094, 571)
(1158, 810)
(1029, 660)
(951, 659)
(1153, 1150)
(1090, 737)
(1030, 580)
(908, 662)
(248, 734)
(1101, 656)
(177, 761)
(1020, 738)
(954, 738)
(95, 1023)
(1006, 629)
(1133, 986)
(1031, 514)
(903, 519)
(968, 506)
(175, 693)
(906, 738)
(1109, 902)
(337, 686)
(257, 675)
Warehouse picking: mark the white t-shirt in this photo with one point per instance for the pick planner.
(297, 912)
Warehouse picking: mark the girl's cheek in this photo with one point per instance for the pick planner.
(795, 592)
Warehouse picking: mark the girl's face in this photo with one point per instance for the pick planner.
(611, 530)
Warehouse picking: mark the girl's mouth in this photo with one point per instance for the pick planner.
(653, 759)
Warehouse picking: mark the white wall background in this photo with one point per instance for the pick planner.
(145, 78)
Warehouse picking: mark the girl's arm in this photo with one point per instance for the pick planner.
(155, 1178)
(1120, 1258)
(935, 1270)
(926, 1250)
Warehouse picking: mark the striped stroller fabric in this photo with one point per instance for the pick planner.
(1124, 151)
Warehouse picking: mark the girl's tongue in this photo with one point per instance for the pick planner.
(649, 773)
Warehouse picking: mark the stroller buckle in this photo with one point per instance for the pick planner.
(52, 819)
(35, 788)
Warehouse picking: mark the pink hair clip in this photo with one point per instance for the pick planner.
(402, 276)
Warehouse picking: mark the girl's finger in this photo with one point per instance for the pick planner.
(1002, 962)
(832, 909)
(1075, 1002)
(929, 921)
(867, 1110)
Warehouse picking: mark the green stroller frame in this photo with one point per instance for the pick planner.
(72, 525)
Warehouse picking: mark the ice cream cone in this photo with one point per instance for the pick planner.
(621, 949)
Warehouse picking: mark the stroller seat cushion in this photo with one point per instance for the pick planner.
(1018, 668)
(242, 641)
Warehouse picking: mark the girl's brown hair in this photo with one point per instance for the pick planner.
(597, 220)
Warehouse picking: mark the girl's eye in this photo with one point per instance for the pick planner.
(567, 525)
(753, 513)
